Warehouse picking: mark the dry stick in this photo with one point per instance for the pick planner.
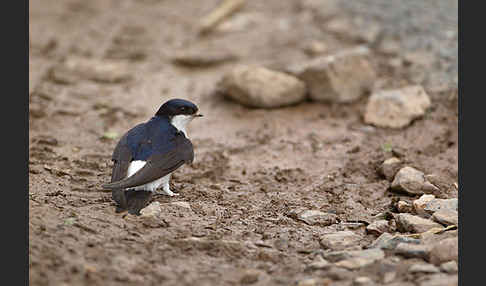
(225, 9)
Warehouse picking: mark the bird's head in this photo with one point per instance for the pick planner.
(179, 111)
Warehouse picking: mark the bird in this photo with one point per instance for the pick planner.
(146, 155)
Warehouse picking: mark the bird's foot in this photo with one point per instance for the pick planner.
(167, 193)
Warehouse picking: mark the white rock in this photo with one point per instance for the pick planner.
(396, 108)
(313, 217)
(420, 203)
(390, 167)
(339, 240)
(152, 210)
(342, 77)
(260, 87)
(449, 267)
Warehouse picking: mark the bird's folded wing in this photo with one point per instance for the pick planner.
(158, 165)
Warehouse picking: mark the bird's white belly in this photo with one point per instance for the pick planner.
(152, 186)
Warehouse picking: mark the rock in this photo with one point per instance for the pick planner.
(390, 167)
(423, 268)
(378, 227)
(396, 108)
(440, 204)
(411, 181)
(185, 205)
(444, 250)
(339, 240)
(354, 29)
(362, 280)
(261, 87)
(342, 77)
(440, 280)
(413, 250)
(319, 263)
(449, 267)
(389, 241)
(404, 207)
(446, 217)
(105, 71)
(415, 224)
(152, 210)
(308, 282)
(354, 263)
(420, 203)
(369, 254)
(314, 48)
(314, 217)
(202, 57)
(250, 276)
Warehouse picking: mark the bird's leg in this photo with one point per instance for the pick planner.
(166, 187)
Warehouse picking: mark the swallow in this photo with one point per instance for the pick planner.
(147, 154)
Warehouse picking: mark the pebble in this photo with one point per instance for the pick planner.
(354, 263)
(420, 203)
(76, 68)
(444, 250)
(413, 250)
(414, 224)
(250, 276)
(449, 267)
(369, 254)
(440, 204)
(202, 57)
(423, 268)
(341, 77)
(390, 167)
(152, 210)
(314, 217)
(362, 280)
(404, 207)
(396, 108)
(339, 240)
(378, 227)
(389, 241)
(315, 48)
(446, 217)
(411, 181)
(262, 88)
(440, 280)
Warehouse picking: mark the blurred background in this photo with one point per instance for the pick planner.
(285, 87)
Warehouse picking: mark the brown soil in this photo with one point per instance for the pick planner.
(251, 168)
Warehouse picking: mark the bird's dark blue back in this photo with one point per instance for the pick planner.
(154, 136)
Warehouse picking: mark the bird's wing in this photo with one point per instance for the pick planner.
(122, 156)
(159, 164)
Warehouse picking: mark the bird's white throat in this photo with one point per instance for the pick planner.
(180, 122)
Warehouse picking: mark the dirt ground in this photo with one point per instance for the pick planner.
(252, 167)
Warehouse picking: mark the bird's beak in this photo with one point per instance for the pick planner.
(198, 115)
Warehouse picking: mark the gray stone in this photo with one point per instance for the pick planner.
(449, 267)
(440, 204)
(415, 224)
(411, 181)
(314, 217)
(423, 268)
(260, 87)
(444, 250)
(342, 77)
(390, 242)
(370, 254)
(413, 250)
(446, 217)
(396, 108)
(390, 167)
(339, 240)
(378, 227)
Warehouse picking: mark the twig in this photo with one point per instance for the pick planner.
(224, 10)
